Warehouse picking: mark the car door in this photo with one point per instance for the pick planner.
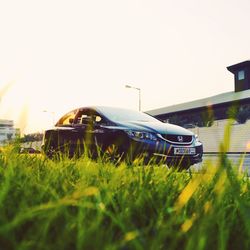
(65, 138)
(83, 133)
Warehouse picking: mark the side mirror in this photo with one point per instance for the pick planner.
(71, 120)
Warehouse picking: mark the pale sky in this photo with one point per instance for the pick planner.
(58, 55)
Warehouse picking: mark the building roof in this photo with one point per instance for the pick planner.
(6, 122)
(238, 66)
(213, 100)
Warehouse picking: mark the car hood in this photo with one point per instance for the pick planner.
(155, 127)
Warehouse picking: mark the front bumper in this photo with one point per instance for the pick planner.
(162, 151)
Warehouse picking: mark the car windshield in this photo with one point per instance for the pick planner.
(120, 115)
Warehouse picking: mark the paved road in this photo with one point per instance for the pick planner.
(210, 160)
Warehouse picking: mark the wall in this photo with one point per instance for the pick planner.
(213, 136)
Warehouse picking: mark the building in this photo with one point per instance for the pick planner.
(204, 112)
(7, 131)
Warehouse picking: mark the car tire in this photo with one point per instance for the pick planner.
(52, 152)
(113, 153)
(179, 165)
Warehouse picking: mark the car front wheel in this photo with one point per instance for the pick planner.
(113, 153)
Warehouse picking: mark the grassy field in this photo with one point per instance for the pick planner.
(81, 204)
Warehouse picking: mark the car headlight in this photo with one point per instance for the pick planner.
(196, 138)
(142, 135)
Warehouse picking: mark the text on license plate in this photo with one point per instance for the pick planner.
(184, 151)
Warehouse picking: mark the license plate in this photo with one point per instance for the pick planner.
(184, 151)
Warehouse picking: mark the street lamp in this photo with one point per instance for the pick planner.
(132, 87)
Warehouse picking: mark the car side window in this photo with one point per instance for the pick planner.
(88, 117)
(98, 119)
(67, 119)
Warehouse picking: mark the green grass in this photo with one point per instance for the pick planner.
(82, 204)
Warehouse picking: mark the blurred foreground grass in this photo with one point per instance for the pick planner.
(81, 204)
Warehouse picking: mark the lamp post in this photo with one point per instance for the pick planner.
(132, 87)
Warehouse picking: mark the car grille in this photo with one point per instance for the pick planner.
(178, 138)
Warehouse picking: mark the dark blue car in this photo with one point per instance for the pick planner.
(122, 134)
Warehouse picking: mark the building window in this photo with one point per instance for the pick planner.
(241, 75)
